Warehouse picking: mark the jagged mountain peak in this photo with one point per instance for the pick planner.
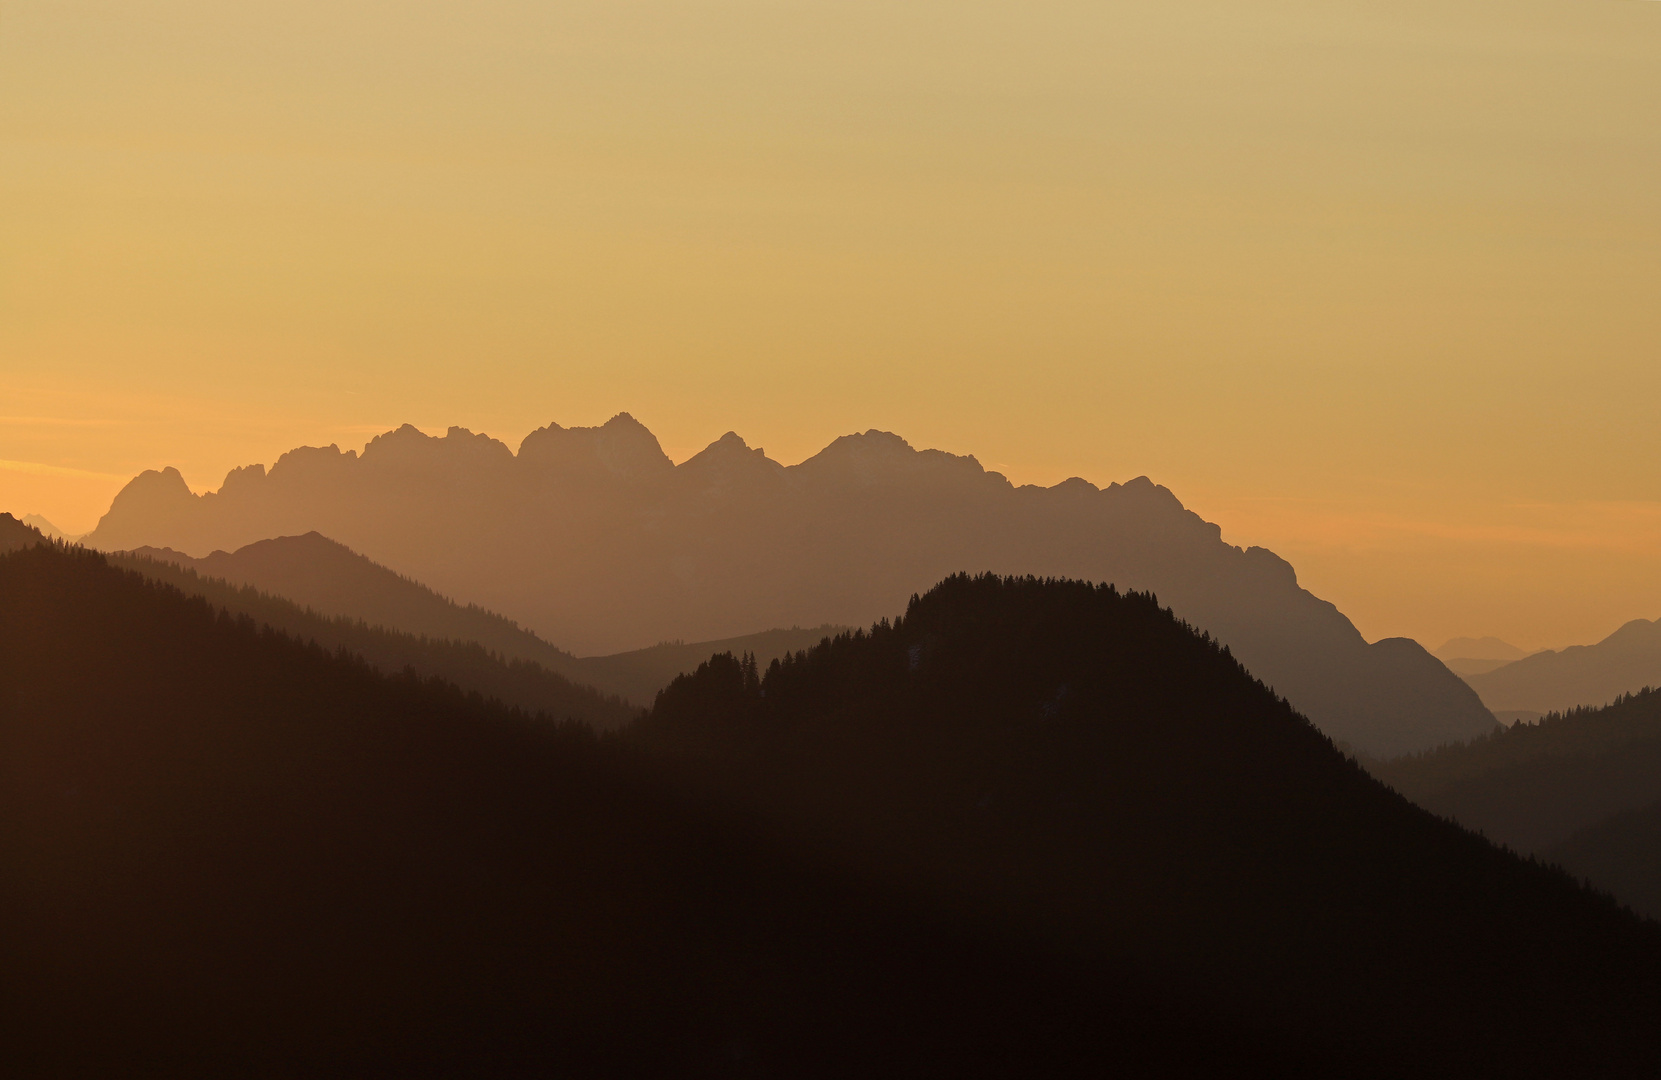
(621, 447)
(730, 459)
(884, 456)
(409, 447)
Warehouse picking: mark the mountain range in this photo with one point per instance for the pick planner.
(1580, 675)
(1026, 828)
(599, 543)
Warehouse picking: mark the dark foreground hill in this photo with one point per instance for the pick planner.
(1033, 829)
(225, 853)
(1576, 677)
(1581, 788)
(594, 539)
(511, 679)
(1076, 766)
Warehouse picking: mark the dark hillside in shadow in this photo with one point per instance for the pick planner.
(1074, 765)
(227, 853)
(1032, 829)
(1581, 788)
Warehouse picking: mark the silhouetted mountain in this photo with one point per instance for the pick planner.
(1577, 676)
(1072, 764)
(223, 853)
(317, 573)
(597, 541)
(1485, 648)
(1032, 829)
(333, 580)
(47, 529)
(468, 664)
(639, 675)
(14, 534)
(1534, 786)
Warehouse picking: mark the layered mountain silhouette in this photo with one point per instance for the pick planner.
(593, 538)
(15, 534)
(1028, 829)
(1474, 656)
(1582, 788)
(47, 529)
(457, 658)
(1581, 675)
(331, 579)
(319, 575)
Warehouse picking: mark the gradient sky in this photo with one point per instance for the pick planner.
(1377, 285)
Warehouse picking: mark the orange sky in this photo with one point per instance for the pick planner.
(1375, 285)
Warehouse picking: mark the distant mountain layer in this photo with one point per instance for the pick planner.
(1582, 788)
(1627, 660)
(1486, 648)
(331, 579)
(600, 543)
(328, 578)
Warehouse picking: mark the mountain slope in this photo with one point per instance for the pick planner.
(14, 534)
(1581, 675)
(225, 853)
(333, 580)
(516, 682)
(1072, 764)
(1533, 786)
(601, 543)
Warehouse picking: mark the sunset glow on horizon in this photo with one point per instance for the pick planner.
(1372, 285)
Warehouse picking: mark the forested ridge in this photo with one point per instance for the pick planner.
(468, 663)
(1077, 764)
(1030, 828)
(1581, 787)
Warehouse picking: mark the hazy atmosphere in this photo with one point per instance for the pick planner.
(1418, 243)
(774, 538)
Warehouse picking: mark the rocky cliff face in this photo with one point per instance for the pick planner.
(594, 539)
